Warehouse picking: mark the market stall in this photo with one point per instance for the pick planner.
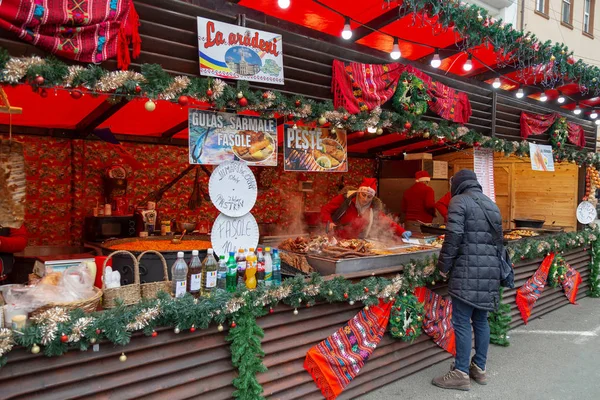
(134, 154)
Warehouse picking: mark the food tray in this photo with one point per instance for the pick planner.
(433, 229)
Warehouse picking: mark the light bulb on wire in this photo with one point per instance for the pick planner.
(543, 96)
(520, 93)
(496, 83)
(371, 129)
(594, 115)
(577, 110)
(468, 65)
(395, 53)
(283, 4)
(597, 122)
(347, 32)
(436, 61)
(560, 99)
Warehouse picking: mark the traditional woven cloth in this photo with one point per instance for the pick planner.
(531, 291)
(571, 284)
(82, 30)
(535, 124)
(437, 321)
(335, 361)
(576, 134)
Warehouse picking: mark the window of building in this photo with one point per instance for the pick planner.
(567, 12)
(588, 17)
(541, 7)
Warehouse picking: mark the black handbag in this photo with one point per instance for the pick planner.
(507, 273)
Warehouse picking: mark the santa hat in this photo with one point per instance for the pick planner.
(422, 176)
(368, 185)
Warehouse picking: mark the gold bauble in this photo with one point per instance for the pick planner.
(150, 106)
(35, 349)
(123, 357)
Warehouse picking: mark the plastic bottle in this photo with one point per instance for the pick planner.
(179, 272)
(231, 280)
(260, 266)
(241, 266)
(276, 268)
(222, 273)
(194, 276)
(268, 267)
(209, 273)
(251, 269)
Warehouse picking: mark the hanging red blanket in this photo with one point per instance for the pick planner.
(362, 87)
(537, 124)
(437, 321)
(82, 30)
(576, 134)
(532, 290)
(335, 361)
(571, 284)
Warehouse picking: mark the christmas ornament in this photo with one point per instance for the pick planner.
(209, 93)
(379, 131)
(345, 118)
(35, 349)
(333, 131)
(154, 334)
(98, 331)
(425, 135)
(552, 58)
(39, 80)
(183, 101)
(76, 94)
(407, 125)
(150, 106)
(295, 311)
(366, 308)
(193, 329)
(360, 133)
(93, 340)
(243, 102)
(220, 328)
(351, 302)
(44, 93)
(322, 121)
(265, 95)
(271, 311)
(330, 293)
(138, 89)
(176, 330)
(64, 338)
(123, 357)
(479, 17)
(366, 289)
(345, 295)
(298, 103)
(233, 325)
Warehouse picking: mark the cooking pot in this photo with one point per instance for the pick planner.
(528, 223)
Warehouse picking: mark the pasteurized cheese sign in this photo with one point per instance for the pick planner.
(315, 150)
(236, 52)
(218, 137)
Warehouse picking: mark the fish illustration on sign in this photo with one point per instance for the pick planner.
(199, 145)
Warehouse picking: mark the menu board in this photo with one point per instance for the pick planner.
(315, 150)
(232, 188)
(217, 137)
(541, 156)
(483, 161)
(230, 234)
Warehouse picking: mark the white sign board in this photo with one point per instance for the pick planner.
(230, 234)
(232, 188)
(483, 161)
(586, 213)
(237, 52)
(541, 156)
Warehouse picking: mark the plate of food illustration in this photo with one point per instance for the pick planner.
(260, 147)
(331, 156)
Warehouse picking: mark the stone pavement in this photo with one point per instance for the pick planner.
(555, 357)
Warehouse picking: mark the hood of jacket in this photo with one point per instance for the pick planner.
(463, 181)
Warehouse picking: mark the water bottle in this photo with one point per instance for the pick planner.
(231, 280)
(209, 269)
(222, 273)
(179, 275)
(268, 267)
(276, 268)
(260, 266)
(194, 277)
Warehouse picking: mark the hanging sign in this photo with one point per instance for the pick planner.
(314, 150)
(586, 213)
(483, 162)
(217, 137)
(541, 156)
(232, 188)
(237, 52)
(230, 234)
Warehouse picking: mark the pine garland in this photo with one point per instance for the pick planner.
(406, 318)
(499, 321)
(559, 133)
(594, 278)
(558, 271)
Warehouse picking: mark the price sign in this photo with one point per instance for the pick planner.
(586, 212)
(232, 188)
(230, 234)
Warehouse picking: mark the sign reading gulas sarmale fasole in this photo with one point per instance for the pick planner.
(315, 149)
(236, 52)
(217, 137)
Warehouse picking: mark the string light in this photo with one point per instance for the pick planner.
(543, 96)
(577, 109)
(598, 122)
(594, 114)
(347, 32)
(395, 53)
(283, 4)
(468, 65)
(561, 99)
(371, 129)
(496, 83)
(520, 93)
(436, 61)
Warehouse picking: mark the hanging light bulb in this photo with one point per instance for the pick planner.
(543, 96)
(468, 65)
(347, 32)
(594, 115)
(283, 4)
(577, 110)
(436, 61)
(371, 129)
(520, 93)
(496, 83)
(561, 98)
(395, 53)
(597, 122)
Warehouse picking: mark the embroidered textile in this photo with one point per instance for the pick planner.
(537, 124)
(437, 321)
(531, 291)
(571, 284)
(576, 134)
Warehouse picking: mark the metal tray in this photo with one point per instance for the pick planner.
(328, 266)
(433, 229)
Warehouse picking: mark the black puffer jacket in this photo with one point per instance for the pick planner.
(469, 252)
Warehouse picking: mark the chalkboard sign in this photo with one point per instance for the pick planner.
(233, 233)
(232, 188)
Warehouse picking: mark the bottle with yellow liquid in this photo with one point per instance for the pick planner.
(251, 269)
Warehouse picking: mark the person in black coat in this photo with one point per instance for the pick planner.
(469, 257)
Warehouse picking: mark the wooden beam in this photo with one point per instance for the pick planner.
(394, 145)
(174, 130)
(392, 15)
(94, 119)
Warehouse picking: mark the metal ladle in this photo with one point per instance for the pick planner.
(177, 241)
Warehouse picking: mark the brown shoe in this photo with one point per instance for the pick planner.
(454, 379)
(477, 374)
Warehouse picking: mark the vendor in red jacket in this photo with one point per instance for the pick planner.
(11, 241)
(353, 214)
(418, 202)
(442, 206)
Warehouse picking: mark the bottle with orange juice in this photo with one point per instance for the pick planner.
(251, 269)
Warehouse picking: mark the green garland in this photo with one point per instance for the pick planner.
(594, 278)
(559, 133)
(499, 321)
(558, 271)
(406, 318)
(410, 97)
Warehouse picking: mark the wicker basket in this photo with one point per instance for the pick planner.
(129, 294)
(88, 305)
(150, 290)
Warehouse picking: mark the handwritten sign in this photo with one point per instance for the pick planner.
(483, 162)
(232, 188)
(230, 234)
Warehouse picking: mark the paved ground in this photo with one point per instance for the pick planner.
(556, 357)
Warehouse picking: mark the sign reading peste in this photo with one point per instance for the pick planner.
(230, 234)
(315, 150)
(232, 188)
(237, 52)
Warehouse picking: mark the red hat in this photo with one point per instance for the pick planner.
(370, 183)
(422, 176)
